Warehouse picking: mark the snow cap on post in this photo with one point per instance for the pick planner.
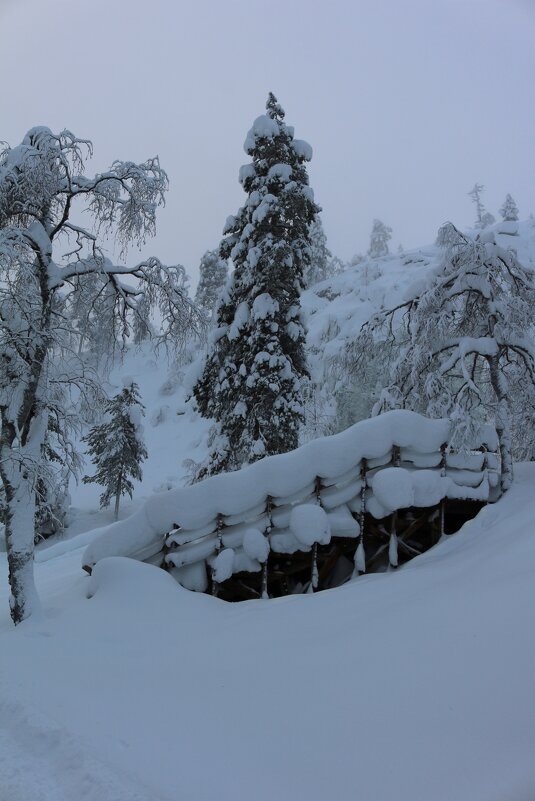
(256, 545)
(309, 524)
(223, 565)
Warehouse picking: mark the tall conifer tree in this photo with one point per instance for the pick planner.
(254, 370)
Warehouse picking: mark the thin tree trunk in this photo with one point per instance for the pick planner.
(118, 498)
(17, 468)
(503, 420)
(20, 532)
(22, 437)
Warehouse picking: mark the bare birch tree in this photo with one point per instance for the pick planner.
(45, 253)
(459, 347)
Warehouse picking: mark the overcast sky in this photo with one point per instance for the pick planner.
(406, 103)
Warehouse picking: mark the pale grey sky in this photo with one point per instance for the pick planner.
(406, 103)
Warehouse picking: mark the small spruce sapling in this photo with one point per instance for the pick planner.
(509, 210)
(213, 274)
(321, 257)
(380, 236)
(117, 448)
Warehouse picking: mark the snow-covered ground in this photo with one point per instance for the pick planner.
(415, 685)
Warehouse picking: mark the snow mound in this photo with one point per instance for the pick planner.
(393, 488)
(310, 524)
(223, 565)
(256, 545)
(98, 706)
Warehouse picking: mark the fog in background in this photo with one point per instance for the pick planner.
(406, 104)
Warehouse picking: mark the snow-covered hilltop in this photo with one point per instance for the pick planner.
(337, 307)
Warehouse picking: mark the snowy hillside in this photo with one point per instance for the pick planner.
(338, 307)
(172, 433)
(334, 309)
(407, 686)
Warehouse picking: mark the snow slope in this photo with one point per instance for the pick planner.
(173, 434)
(338, 307)
(415, 685)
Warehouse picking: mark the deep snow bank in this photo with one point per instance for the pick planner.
(408, 686)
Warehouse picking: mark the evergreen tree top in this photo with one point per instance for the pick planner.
(274, 108)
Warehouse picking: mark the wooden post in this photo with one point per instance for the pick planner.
(165, 546)
(314, 571)
(393, 543)
(442, 530)
(269, 509)
(360, 553)
(485, 465)
(219, 548)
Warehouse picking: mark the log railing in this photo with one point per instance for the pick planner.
(364, 476)
(347, 499)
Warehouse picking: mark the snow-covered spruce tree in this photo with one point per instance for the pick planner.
(320, 258)
(43, 253)
(380, 236)
(483, 217)
(213, 274)
(254, 370)
(509, 210)
(462, 342)
(117, 448)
